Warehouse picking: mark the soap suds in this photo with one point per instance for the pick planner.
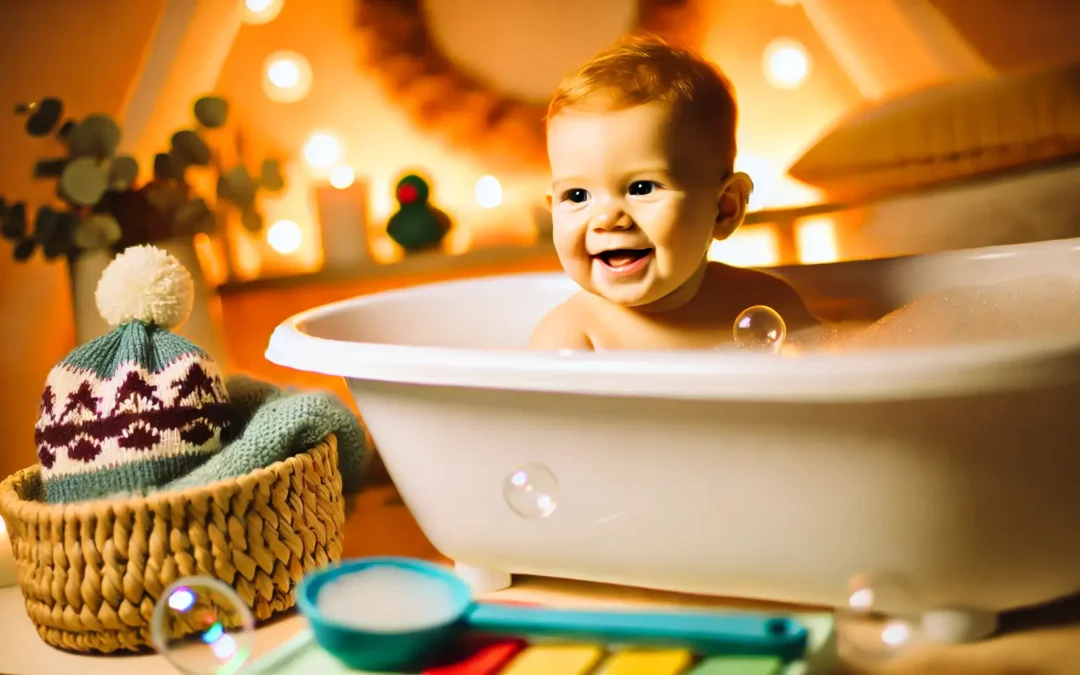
(388, 599)
(1031, 308)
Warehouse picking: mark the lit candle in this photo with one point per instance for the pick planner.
(342, 215)
(9, 575)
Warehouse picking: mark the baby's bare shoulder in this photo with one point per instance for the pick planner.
(761, 288)
(565, 327)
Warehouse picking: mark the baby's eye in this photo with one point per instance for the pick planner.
(640, 188)
(576, 195)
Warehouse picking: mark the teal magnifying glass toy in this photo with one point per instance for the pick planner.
(391, 613)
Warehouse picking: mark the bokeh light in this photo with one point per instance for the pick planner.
(489, 192)
(342, 176)
(285, 237)
(786, 63)
(258, 12)
(322, 150)
(286, 77)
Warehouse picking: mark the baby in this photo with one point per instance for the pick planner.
(642, 146)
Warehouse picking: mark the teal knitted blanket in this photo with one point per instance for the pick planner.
(277, 424)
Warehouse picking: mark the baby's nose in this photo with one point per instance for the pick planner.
(612, 220)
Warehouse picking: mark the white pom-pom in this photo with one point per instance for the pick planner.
(145, 284)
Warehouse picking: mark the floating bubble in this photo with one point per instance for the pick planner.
(531, 491)
(760, 327)
(880, 620)
(202, 627)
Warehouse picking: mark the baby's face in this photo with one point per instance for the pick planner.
(634, 201)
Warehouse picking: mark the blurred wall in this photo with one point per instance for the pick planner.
(88, 51)
(1011, 34)
(379, 141)
(85, 52)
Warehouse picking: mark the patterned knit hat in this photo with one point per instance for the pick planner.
(138, 406)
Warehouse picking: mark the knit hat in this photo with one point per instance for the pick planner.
(138, 406)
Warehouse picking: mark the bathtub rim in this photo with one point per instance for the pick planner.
(877, 374)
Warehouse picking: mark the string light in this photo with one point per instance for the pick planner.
(786, 63)
(489, 192)
(284, 236)
(342, 177)
(322, 150)
(286, 77)
(258, 12)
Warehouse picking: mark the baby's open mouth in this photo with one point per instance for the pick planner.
(624, 260)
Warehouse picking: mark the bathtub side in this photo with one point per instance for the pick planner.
(973, 500)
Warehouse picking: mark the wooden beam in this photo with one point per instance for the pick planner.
(888, 47)
(182, 61)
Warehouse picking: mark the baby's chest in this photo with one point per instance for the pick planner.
(642, 333)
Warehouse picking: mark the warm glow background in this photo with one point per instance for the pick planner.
(379, 143)
(89, 53)
(46, 48)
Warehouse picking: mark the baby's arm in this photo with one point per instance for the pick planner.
(560, 329)
(780, 295)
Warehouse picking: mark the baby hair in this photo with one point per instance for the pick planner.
(645, 69)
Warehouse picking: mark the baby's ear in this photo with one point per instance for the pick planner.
(731, 201)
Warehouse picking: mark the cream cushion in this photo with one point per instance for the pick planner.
(948, 132)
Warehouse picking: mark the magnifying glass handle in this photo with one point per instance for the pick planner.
(711, 634)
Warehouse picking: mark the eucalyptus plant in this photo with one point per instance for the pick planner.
(98, 204)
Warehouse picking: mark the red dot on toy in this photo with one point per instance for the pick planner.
(407, 194)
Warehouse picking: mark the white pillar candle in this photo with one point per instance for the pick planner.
(8, 572)
(343, 223)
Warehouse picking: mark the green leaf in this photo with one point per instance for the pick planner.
(252, 220)
(13, 225)
(84, 181)
(163, 166)
(212, 111)
(46, 114)
(270, 178)
(46, 223)
(123, 171)
(96, 136)
(50, 168)
(24, 249)
(65, 129)
(97, 231)
(193, 150)
(239, 187)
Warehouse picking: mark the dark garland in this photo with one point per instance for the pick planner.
(458, 106)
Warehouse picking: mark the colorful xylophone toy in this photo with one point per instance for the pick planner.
(522, 656)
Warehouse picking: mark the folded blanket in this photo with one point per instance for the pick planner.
(276, 424)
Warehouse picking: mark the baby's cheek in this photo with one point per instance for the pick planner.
(569, 237)
(573, 259)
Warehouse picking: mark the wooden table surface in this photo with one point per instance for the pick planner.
(1043, 642)
(379, 525)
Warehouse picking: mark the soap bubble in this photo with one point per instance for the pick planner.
(880, 620)
(760, 327)
(202, 627)
(531, 491)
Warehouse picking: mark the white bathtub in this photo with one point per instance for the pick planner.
(727, 473)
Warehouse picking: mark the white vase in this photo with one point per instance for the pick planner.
(201, 326)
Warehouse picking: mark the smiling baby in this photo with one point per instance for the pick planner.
(642, 147)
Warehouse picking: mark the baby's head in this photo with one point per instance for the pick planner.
(642, 144)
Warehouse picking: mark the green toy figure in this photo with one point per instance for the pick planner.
(417, 225)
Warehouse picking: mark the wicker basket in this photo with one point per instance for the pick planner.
(91, 573)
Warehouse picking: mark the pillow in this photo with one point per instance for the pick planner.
(947, 132)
